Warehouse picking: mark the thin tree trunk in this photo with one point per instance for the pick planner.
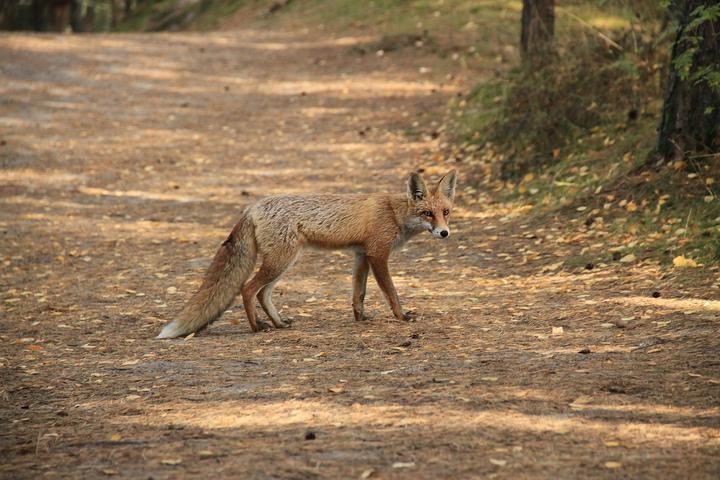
(691, 112)
(8, 14)
(38, 9)
(89, 19)
(115, 13)
(59, 15)
(76, 18)
(538, 30)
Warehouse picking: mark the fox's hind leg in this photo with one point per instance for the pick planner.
(265, 299)
(270, 271)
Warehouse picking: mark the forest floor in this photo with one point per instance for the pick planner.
(126, 160)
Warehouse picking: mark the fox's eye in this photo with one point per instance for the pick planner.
(427, 213)
(446, 212)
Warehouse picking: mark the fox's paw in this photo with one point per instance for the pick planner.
(282, 323)
(262, 326)
(361, 316)
(410, 316)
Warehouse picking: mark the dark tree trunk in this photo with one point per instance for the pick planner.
(89, 19)
(538, 29)
(114, 13)
(38, 9)
(76, 19)
(691, 112)
(59, 15)
(8, 14)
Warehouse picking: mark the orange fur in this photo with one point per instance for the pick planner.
(278, 227)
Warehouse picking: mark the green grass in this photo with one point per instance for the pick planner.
(200, 15)
(545, 153)
(599, 185)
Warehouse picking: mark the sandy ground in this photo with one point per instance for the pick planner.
(126, 159)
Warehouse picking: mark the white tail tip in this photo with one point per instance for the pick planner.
(171, 330)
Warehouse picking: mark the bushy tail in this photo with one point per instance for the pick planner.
(230, 268)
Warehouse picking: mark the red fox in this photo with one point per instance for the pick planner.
(278, 227)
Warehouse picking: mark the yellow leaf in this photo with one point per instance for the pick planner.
(629, 258)
(682, 262)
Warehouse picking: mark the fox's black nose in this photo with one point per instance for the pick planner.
(444, 233)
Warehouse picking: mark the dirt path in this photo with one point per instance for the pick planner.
(126, 159)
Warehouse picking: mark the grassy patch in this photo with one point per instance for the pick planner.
(571, 140)
(181, 15)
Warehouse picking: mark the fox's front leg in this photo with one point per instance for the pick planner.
(360, 274)
(380, 269)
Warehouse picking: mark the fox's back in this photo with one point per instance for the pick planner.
(324, 220)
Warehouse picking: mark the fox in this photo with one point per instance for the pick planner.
(277, 228)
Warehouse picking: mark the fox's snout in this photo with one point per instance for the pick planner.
(440, 232)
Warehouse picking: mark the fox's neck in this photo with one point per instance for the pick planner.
(408, 223)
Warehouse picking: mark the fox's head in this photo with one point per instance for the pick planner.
(431, 208)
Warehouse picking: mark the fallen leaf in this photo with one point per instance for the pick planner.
(552, 267)
(629, 258)
(581, 400)
(367, 473)
(682, 262)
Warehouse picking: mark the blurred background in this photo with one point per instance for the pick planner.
(563, 99)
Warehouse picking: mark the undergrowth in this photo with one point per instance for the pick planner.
(571, 140)
(161, 15)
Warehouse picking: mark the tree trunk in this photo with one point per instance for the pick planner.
(76, 17)
(691, 112)
(8, 14)
(538, 29)
(89, 18)
(38, 9)
(59, 12)
(114, 13)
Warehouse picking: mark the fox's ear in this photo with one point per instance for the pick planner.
(416, 188)
(447, 183)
